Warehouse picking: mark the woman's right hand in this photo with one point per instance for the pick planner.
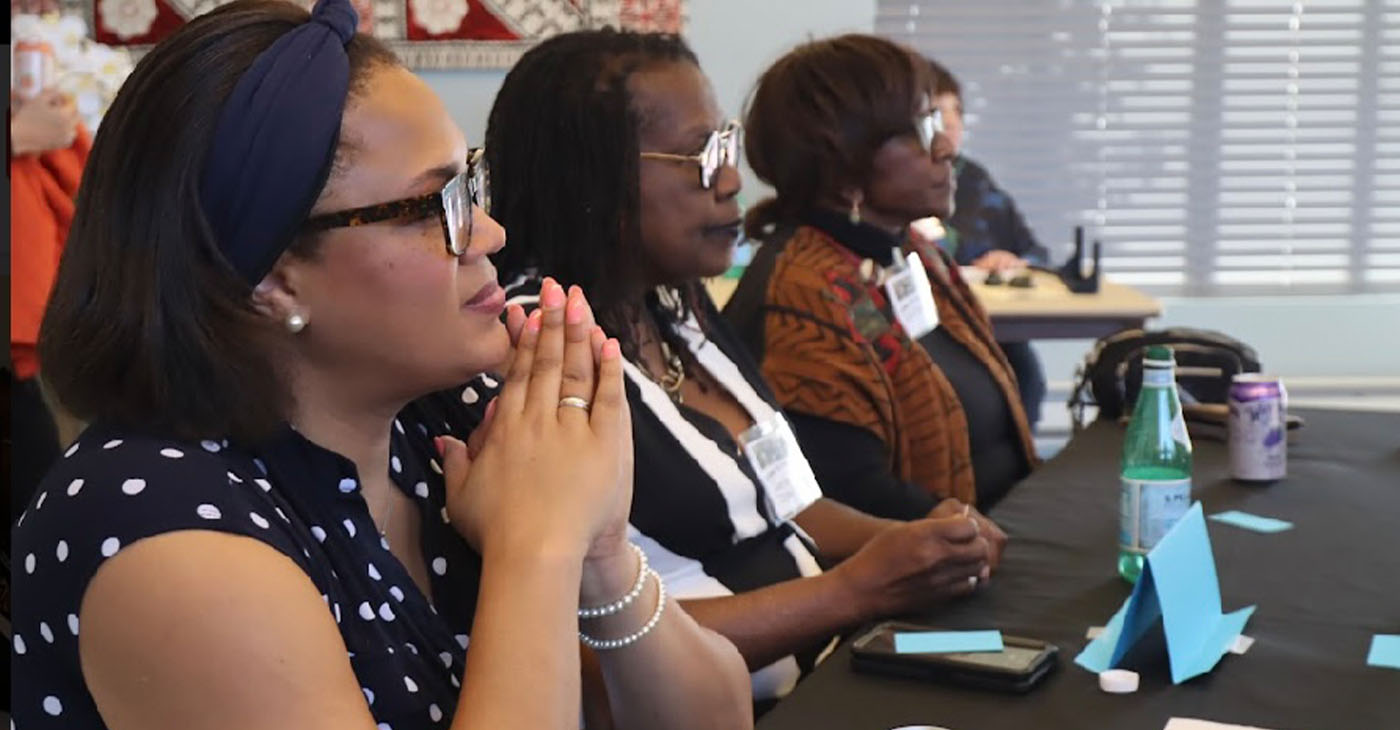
(47, 122)
(912, 565)
(541, 475)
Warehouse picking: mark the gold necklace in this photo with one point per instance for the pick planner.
(674, 377)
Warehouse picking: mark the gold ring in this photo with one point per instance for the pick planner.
(573, 401)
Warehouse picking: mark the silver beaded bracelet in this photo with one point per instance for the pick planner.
(634, 637)
(621, 603)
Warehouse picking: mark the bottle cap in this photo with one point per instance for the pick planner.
(1118, 681)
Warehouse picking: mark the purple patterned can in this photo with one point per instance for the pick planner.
(1258, 428)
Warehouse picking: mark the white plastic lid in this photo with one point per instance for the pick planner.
(1118, 681)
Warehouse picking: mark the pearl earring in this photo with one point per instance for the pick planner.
(295, 322)
(855, 211)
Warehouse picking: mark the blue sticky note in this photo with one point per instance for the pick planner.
(943, 642)
(1252, 522)
(1385, 651)
(1179, 586)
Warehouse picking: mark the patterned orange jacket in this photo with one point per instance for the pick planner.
(818, 319)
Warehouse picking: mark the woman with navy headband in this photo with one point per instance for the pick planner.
(277, 253)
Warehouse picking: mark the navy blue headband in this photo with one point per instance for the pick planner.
(276, 138)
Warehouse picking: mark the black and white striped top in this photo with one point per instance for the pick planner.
(698, 509)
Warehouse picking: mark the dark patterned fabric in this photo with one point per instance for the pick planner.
(115, 487)
(831, 348)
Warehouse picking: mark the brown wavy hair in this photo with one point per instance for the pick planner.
(818, 115)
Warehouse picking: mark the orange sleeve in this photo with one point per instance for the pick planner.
(42, 192)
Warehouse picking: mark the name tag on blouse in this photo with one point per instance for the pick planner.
(772, 450)
(911, 296)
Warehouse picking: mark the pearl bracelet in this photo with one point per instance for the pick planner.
(621, 603)
(634, 637)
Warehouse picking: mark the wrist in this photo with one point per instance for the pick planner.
(608, 577)
(531, 550)
(19, 145)
(849, 594)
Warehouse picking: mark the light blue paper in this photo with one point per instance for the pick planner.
(1385, 651)
(943, 642)
(1252, 522)
(1178, 585)
(1098, 655)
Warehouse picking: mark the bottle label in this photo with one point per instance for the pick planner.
(1148, 509)
(1158, 377)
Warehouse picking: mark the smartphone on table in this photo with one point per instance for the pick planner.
(1018, 667)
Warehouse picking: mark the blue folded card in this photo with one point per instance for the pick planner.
(1252, 522)
(1178, 585)
(1385, 651)
(944, 642)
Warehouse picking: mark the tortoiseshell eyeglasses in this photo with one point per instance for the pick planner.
(452, 205)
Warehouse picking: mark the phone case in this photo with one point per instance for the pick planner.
(932, 667)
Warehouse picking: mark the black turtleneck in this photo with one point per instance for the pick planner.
(863, 239)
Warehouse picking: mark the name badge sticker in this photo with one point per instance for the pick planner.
(772, 450)
(911, 297)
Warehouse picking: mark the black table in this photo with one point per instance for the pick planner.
(1322, 590)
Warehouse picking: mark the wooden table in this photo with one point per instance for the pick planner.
(1046, 311)
(1050, 311)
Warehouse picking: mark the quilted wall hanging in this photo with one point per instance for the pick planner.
(428, 34)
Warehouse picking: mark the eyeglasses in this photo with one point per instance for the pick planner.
(722, 148)
(452, 205)
(928, 126)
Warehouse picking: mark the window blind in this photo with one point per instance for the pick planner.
(1214, 146)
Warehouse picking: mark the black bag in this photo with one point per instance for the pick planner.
(1111, 373)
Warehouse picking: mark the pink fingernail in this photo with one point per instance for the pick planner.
(574, 313)
(553, 295)
(533, 323)
(611, 349)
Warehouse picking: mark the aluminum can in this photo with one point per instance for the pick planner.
(1258, 428)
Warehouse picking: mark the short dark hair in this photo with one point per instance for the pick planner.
(944, 82)
(149, 326)
(562, 147)
(818, 115)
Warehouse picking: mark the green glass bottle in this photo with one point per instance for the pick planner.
(1156, 475)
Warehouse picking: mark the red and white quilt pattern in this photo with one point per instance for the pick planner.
(425, 33)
